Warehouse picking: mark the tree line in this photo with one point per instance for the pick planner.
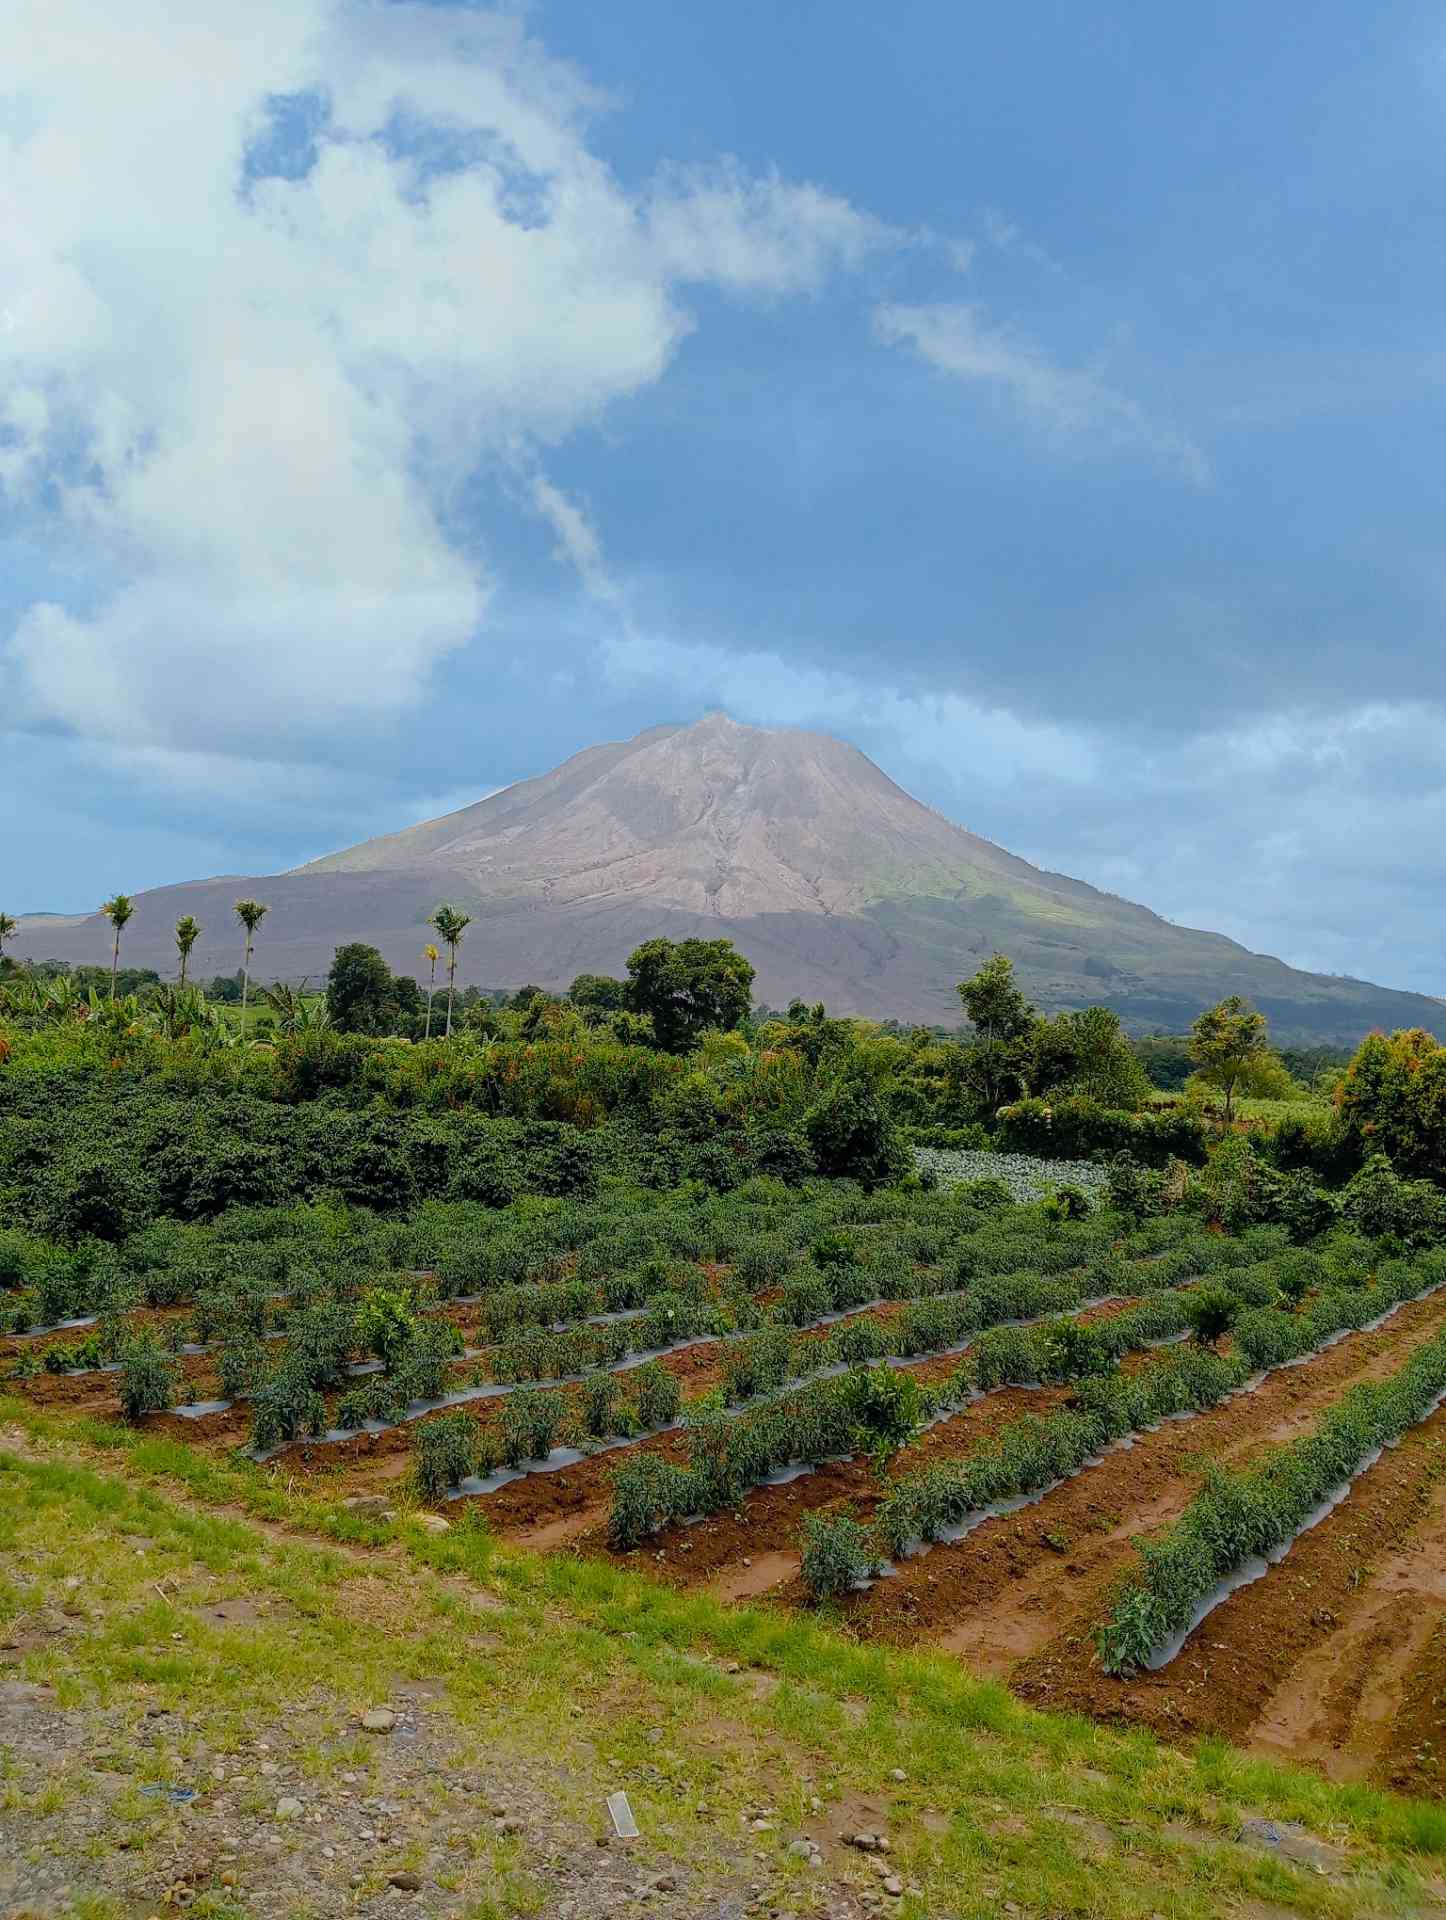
(675, 991)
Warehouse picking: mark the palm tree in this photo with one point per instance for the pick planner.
(429, 953)
(250, 913)
(451, 923)
(117, 911)
(9, 925)
(188, 932)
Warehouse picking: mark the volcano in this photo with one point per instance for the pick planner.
(837, 884)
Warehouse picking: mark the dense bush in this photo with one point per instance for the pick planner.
(851, 1137)
(1076, 1128)
(657, 1395)
(530, 1422)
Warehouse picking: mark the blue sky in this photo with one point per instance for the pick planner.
(396, 398)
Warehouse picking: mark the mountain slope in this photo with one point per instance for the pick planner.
(836, 883)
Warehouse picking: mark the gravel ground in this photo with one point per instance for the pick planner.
(416, 1824)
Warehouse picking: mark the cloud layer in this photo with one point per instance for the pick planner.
(249, 380)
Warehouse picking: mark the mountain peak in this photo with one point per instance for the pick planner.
(835, 882)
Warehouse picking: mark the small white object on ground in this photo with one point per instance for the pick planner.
(624, 1825)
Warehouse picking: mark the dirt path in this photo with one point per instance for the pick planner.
(1413, 1759)
(1341, 1704)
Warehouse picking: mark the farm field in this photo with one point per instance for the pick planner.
(679, 1388)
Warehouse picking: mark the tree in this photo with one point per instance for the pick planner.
(1392, 1099)
(850, 1135)
(687, 986)
(1086, 1054)
(361, 994)
(250, 913)
(597, 994)
(1003, 1021)
(118, 911)
(9, 925)
(1230, 1048)
(451, 923)
(188, 932)
(431, 956)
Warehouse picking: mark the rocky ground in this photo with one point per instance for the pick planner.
(223, 1714)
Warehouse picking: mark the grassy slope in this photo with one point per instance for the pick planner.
(615, 1681)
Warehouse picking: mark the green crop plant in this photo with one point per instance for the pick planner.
(647, 1492)
(531, 1420)
(445, 1448)
(386, 1322)
(837, 1554)
(1237, 1516)
(1213, 1312)
(147, 1378)
(600, 1404)
(284, 1404)
(657, 1395)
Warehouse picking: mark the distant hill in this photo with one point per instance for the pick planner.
(835, 882)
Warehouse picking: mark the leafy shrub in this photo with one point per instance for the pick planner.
(762, 1262)
(852, 1138)
(240, 1364)
(885, 1405)
(284, 1404)
(805, 1300)
(837, 1555)
(657, 1395)
(1076, 1127)
(422, 1368)
(386, 1323)
(1212, 1313)
(530, 1422)
(600, 1404)
(1067, 1203)
(830, 1250)
(857, 1341)
(445, 1447)
(758, 1363)
(147, 1378)
(647, 1492)
(1071, 1352)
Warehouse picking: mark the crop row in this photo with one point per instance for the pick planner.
(822, 1420)
(1239, 1516)
(614, 1246)
(1030, 1454)
(923, 1505)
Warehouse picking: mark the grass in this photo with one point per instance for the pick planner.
(612, 1679)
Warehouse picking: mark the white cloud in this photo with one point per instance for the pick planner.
(1075, 404)
(982, 748)
(242, 408)
(757, 236)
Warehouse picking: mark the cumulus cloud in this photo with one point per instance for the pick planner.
(1077, 404)
(276, 283)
